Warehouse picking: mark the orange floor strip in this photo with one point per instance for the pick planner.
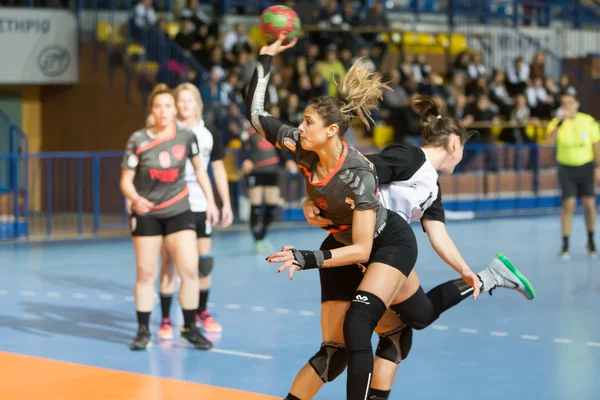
(25, 377)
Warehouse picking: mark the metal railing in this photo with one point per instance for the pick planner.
(77, 193)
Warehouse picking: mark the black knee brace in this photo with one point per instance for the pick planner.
(205, 265)
(271, 213)
(361, 319)
(330, 361)
(417, 312)
(395, 345)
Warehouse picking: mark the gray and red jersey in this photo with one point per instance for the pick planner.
(160, 169)
(262, 153)
(352, 185)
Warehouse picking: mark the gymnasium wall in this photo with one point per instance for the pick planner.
(92, 115)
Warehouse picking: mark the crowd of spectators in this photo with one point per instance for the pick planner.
(468, 88)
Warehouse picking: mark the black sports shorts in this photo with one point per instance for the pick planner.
(263, 179)
(576, 181)
(143, 225)
(203, 226)
(396, 246)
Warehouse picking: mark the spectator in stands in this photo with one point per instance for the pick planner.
(538, 66)
(375, 17)
(397, 97)
(304, 89)
(520, 115)
(273, 89)
(331, 69)
(518, 76)
(246, 65)
(423, 65)
(461, 64)
(210, 89)
(565, 87)
(234, 41)
(229, 90)
(482, 114)
(539, 101)
(553, 92)
(406, 67)
(189, 39)
(292, 112)
(476, 67)
(234, 124)
(459, 108)
(499, 95)
(199, 18)
(577, 138)
(456, 87)
(215, 64)
(407, 123)
(432, 86)
(477, 87)
(346, 58)
(363, 52)
(144, 18)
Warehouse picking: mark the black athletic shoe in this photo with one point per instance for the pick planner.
(143, 340)
(196, 338)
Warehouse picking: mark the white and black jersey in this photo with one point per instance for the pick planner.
(211, 149)
(409, 183)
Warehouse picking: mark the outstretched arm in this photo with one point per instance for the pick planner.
(269, 127)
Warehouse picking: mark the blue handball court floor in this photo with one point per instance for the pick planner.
(72, 301)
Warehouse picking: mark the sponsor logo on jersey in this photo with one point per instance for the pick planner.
(164, 175)
(350, 202)
(179, 151)
(164, 158)
(321, 203)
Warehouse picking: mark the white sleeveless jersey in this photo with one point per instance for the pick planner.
(198, 202)
(409, 183)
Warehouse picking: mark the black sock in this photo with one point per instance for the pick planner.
(565, 243)
(256, 222)
(271, 213)
(189, 318)
(291, 397)
(165, 305)
(375, 394)
(591, 237)
(359, 323)
(143, 319)
(203, 301)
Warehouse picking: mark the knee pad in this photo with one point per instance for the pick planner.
(205, 265)
(416, 312)
(361, 319)
(395, 345)
(330, 361)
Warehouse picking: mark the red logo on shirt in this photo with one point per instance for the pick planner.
(164, 175)
(179, 151)
(321, 203)
(164, 158)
